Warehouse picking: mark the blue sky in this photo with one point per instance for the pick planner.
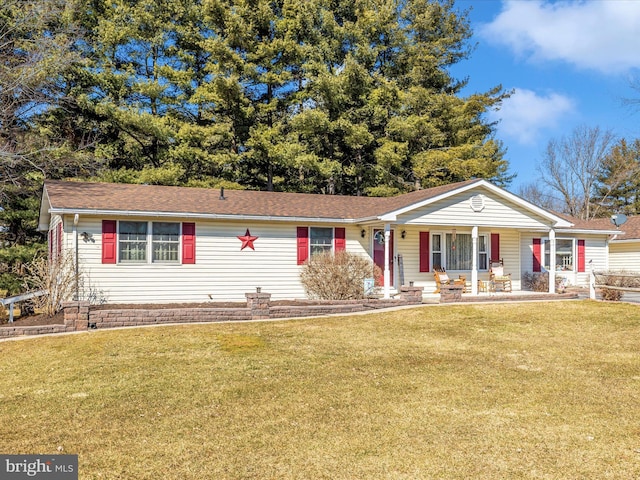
(570, 64)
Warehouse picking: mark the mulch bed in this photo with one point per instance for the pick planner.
(31, 320)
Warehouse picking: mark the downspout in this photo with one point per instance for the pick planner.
(76, 219)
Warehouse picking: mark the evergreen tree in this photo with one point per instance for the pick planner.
(287, 94)
(385, 108)
(619, 180)
(36, 41)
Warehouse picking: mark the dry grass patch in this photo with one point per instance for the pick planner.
(485, 392)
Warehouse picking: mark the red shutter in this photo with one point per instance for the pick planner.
(109, 241)
(581, 258)
(424, 251)
(188, 243)
(59, 240)
(537, 255)
(340, 240)
(303, 244)
(495, 247)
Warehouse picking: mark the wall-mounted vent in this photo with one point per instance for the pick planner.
(477, 203)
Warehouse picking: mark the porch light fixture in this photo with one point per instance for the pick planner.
(403, 234)
(363, 232)
(87, 237)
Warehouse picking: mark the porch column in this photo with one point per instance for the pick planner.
(387, 259)
(474, 261)
(552, 261)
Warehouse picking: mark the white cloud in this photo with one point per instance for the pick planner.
(525, 115)
(598, 35)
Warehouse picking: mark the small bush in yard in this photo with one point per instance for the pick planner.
(616, 279)
(539, 282)
(57, 277)
(338, 276)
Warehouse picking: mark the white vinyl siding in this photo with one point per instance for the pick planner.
(624, 256)
(595, 257)
(456, 211)
(222, 271)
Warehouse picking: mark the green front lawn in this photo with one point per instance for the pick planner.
(506, 391)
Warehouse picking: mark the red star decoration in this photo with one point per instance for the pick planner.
(247, 240)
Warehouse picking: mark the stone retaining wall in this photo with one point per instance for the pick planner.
(451, 293)
(79, 316)
(8, 332)
(97, 319)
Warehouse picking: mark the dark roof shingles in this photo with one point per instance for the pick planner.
(154, 198)
(121, 197)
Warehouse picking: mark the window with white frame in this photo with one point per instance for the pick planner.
(320, 240)
(166, 242)
(483, 253)
(436, 250)
(565, 254)
(132, 242)
(140, 241)
(454, 251)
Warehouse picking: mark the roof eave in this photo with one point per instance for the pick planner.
(203, 216)
(624, 240)
(587, 231)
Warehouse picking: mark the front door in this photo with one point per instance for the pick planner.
(378, 255)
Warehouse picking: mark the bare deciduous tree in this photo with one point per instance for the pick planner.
(571, 168)
(538, 195)
(35, 49)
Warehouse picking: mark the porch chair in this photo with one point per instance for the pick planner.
(497, 278)
(441, 278)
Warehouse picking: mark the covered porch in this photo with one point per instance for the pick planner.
(409, 255)
(464, 231)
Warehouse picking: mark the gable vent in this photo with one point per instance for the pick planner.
(477, 203)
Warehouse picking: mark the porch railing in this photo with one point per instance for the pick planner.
(11, 301)
(626, 282)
